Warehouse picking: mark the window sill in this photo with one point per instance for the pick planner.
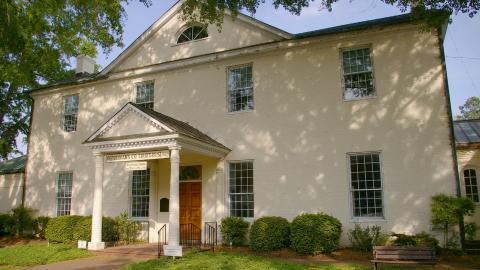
(241, 112)
(367, 219)
(362, 98)
(189, 42)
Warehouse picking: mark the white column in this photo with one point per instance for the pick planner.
(173, 248)
(96, 241)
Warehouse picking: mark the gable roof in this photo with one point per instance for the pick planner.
(170, 124)
(14, 165)
(466, 131)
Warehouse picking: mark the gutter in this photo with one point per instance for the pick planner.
(28, 151)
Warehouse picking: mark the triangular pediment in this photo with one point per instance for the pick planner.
(129, 122)
(158, 44)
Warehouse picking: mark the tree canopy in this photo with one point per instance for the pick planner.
(37, 39)
(470, 110)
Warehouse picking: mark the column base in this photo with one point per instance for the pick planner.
(171, 250)
(96, 245)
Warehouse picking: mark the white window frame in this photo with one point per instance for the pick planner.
(130, 195)
(229, 200)
(75, 114)
(185, 28)
(343, 74)
(229, 68)
(355, 218)
(465, 184)
(57, 206)
(143, 103)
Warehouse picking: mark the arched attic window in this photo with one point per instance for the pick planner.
(192, 33)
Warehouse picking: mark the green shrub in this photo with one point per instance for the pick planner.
(39, 226)
(403, 240)
(269, 233)
(315, 233)
(426, 240)
(22, 220)
(470, 230)
(234, 230)
(83, 230)
(364, 239)
(126, 230)
(6, 224)
(60, 229)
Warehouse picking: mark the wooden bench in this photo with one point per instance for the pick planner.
(404, 255)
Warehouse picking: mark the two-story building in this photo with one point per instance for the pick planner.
(191, 124)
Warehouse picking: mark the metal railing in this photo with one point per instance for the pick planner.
(162, 239)
(190, 236)
(210, 235)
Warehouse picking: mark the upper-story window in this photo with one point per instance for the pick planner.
(471, 185)
(240, 89)
(357, 74)
(192, 33)
(70, 110)
(145, 94)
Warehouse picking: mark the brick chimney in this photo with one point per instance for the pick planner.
(85, 64)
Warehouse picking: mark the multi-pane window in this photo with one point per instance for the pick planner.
(357, 74)
(192, 33)
(471, 186)
(70, 110)
(240, 89)
(241, 189)
(145, 95)
(64, 193)
(366, 184)
(140, 193)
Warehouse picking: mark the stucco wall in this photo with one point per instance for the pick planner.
(298, 135)
(11, 188)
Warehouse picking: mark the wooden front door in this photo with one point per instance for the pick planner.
(190, 210)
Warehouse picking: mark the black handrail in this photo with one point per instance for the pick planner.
(190, 236)
(210, 237)
(162, 240)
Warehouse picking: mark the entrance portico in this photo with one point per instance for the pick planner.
(138, 134)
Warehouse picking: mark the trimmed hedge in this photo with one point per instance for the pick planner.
(83, 230)
(269, 233)
(234, 231)
(315, 233)
(60, 229)
(6, 224)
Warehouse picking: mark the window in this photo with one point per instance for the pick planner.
(140, 193)
(64, 193)
(241, 189)
(471, 186)
(240, 89)
(192, 33)
(70, 110)
(357, 74)
(145, 95)
(366, 184)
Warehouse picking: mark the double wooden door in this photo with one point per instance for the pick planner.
(190, 211)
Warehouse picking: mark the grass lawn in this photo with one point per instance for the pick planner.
(233, 261)
(36, 254)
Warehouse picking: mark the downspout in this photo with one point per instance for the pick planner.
(461, 223)
(28, 150)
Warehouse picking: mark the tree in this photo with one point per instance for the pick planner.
(38, 37)
(470, 110)
(448, 211)
(433, 12)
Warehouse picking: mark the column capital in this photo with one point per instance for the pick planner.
(175, 147)
(97, 153)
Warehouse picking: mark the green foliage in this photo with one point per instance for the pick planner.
(29, 255)
(127, 230)
(234, 231)
(470, 230)
(6, 224)
(401, 239)
(61, 229)
(426, 240)
(364, 239)
(22, 220)
(56, 31)
(470, 110)
(269, 233)
(83, 230)
(39, 226)
(315, 233)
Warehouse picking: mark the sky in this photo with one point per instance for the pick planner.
(461, 41)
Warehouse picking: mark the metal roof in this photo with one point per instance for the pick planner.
(466, 131)
(14, 165)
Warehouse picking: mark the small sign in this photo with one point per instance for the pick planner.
(137, 156)
(82, 244)
(174, 251)
(136, 165)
